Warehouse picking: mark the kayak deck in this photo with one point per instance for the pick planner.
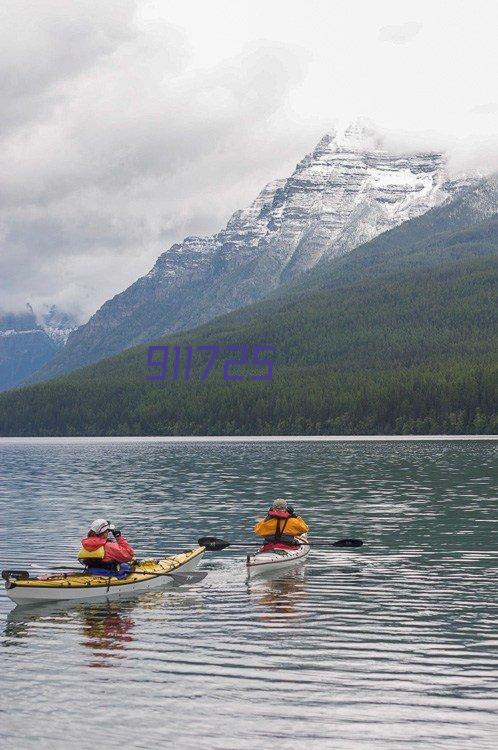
(71, 586)
(270, 560)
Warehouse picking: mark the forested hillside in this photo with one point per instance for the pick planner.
(400, 340)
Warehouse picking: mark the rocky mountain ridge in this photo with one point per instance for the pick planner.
(344, 193)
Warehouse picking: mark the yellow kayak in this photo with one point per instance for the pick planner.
(148, 574)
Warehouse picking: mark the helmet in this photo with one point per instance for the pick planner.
(279, 504)
(100, 525)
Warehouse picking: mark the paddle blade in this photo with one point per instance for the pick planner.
(348, 543)
(212, 544)
(21, 574)
(181, 579)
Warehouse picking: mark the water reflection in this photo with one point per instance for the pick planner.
(279, 595)
(106, 628)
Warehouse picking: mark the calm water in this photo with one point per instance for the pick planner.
(391, 646)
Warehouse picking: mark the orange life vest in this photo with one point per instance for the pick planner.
(278, 523)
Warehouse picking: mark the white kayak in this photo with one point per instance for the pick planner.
(61, 587)
(276, 559)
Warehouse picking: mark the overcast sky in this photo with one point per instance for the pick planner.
(126, 125)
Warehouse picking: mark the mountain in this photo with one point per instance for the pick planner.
(27, 342)
(398, 336)
(438, 236)
(57, 324)
(348, 190)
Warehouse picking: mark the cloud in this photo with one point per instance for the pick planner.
(114, 142)
(129, 124)
(400, 33)
(44, 45)
(485, 109)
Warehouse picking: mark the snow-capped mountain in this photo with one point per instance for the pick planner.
(344, 193)
(57, 324)
(27, 342)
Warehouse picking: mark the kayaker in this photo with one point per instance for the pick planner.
(99, 552)
(281, 525)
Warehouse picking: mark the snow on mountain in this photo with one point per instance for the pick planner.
(344, 193)
(57, 324)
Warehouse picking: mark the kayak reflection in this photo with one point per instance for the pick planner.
(280, 596)
(105, 628)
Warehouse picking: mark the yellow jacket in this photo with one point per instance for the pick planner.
(289, 526)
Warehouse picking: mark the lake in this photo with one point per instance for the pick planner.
(393, 645)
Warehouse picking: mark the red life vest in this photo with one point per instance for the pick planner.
(272, 513)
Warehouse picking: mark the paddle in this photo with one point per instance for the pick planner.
(179, 578)
(212, 544)
(347, 543)
(6, 574)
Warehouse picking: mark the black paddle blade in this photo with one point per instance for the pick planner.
(182, 578)
(22, 574)
(348, 543)
(212, 544)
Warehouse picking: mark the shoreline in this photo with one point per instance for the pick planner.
(246, 439)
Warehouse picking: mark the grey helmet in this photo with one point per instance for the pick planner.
(279, 504)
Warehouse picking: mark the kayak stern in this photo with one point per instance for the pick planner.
(276, 559)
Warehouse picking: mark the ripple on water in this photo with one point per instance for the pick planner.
(390, 646)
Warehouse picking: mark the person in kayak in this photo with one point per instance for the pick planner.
(281, 526)
(99, 554)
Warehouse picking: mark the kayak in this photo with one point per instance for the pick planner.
(147, 575)
(269, 560)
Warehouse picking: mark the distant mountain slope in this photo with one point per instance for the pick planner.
(27, 343)
(395, 343)
(341, 195)
(443, 234)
